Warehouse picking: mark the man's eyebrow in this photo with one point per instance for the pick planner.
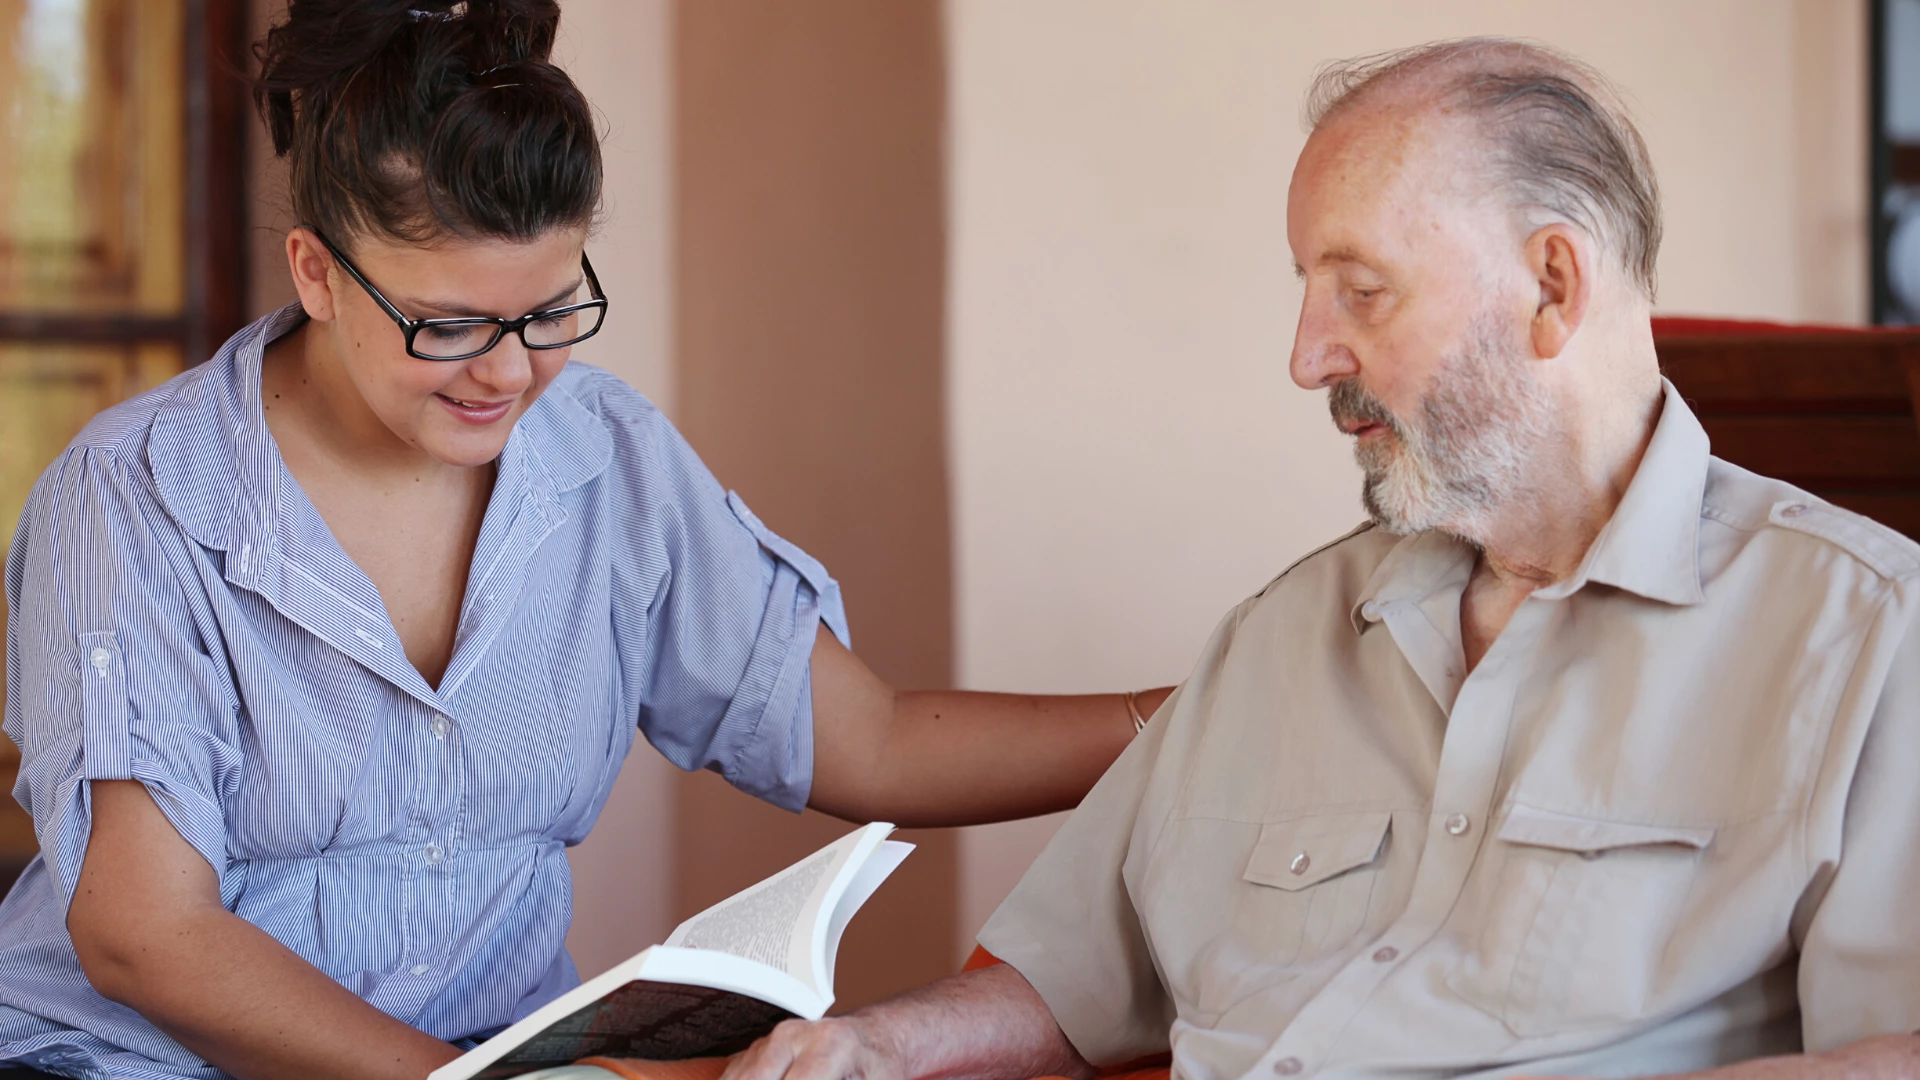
(1342, 255)
(456, 309)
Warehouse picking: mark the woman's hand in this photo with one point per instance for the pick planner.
(936, 758)
(151, 934)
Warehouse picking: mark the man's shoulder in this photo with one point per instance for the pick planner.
(1752, 506)
(1359, 550)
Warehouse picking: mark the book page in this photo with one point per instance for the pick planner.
(878, 867)
(761, 923)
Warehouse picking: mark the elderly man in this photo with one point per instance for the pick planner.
(1591, 754)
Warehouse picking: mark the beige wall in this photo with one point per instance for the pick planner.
(808, 291)
(620, 54)
(1129, 458)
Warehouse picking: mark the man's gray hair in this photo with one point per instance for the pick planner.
(1561, 137)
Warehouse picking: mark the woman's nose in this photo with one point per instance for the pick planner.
(506, 368)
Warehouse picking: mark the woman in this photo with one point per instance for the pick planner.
(323, 652)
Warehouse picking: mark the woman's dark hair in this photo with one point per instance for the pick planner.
(417, 119)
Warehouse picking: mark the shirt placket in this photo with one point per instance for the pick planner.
(1463, 798)
(434, 850)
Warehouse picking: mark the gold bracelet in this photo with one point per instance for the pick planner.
(1132, 697)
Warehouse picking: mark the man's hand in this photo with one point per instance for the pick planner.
(825, 1050)
(982, 1025)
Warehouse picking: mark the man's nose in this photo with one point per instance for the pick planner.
(507, 368)
(1320, 357)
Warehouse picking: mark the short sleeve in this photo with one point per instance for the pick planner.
(1860, 953)
(731, 613)
(1071, 927)
(107, 676)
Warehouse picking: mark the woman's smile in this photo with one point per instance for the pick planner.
(477, 412)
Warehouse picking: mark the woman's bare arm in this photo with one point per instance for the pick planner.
(926, 758)
(151, 934)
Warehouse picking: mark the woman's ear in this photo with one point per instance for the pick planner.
(308, 262)
(1560, 258)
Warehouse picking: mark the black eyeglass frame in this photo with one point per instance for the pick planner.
(501, 327)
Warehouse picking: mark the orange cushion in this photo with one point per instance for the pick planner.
(981, 958)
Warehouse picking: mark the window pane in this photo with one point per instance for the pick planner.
(49, 392)
(91, 199)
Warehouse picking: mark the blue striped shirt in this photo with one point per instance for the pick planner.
(182, 616)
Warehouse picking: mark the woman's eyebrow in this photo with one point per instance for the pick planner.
(458, 310)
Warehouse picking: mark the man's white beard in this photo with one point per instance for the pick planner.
(1480, 431)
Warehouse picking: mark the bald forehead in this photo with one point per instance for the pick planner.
(1402, 145)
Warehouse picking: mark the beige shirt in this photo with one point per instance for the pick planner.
(1671, 820)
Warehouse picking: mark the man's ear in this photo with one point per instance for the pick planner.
(1561, 260)
(309, 263)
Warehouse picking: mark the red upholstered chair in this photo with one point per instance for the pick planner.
(1830, 409)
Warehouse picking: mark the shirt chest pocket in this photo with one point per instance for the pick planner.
(1304, 895)
(1573, 919)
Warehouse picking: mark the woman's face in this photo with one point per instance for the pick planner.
(459, 412)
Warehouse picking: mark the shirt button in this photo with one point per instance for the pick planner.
(1300, 863)
(1458, 824)
(1793, 510)
(100, 658)
(420, 969)
(1288, 1066)
(1386, 954)
(434, 855)
(440, 726)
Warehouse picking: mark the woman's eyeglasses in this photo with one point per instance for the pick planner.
(466, 338)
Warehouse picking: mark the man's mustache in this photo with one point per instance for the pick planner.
(1352, 406)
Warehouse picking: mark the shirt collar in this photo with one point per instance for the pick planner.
(1650, 547)
(218, 470)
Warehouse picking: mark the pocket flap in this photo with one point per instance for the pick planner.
(1293, 855)
(1551, 829)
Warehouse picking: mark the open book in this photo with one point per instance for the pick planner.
(724, 977)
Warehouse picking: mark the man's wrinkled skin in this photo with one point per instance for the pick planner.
(1429, 299)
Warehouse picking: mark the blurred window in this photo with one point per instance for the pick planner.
(120, 228)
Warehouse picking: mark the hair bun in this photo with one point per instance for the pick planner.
(413, 117)
(503, 32)
(308, 60)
